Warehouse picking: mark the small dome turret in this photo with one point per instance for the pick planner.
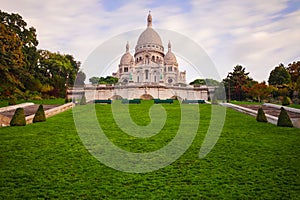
(170, 58)
(127, 58)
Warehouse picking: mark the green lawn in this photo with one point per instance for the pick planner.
(295, 106)
(58, 101)
(250, 161)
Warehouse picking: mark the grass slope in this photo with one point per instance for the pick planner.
(58, 101)
(250, 161)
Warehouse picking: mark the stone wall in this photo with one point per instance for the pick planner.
(132, 92)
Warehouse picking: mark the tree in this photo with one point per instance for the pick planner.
(56, 70)
(94, 80)
(279, 76)
(198, 82)
(28, 38)
(108, 80)
(237, 82)
(207, 81)
(294, 71)
(11, 62)
(259, 91)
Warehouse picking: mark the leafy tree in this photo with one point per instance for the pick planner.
(294, 71)
(212, 82)
(108, 80)
(279, 76)
(208, 81)
(19, 118)
(28, 38)
(198, 82)
(56, 71)
(94, 80)
(237, 83)
(260, 91)
(11, 62)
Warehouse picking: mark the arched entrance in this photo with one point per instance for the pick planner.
(176, 98)
(116, 97)
(146, 97)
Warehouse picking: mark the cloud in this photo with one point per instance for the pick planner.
(257, 34)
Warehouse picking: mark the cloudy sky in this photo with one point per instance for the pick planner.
(254, 33)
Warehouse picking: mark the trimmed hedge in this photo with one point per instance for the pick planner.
(261, 117)
(39, 115)
(19, 118)
(284, 119)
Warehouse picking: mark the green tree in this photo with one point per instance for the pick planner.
(94, 80)
(108, 80)
(198, 82)
(279, 76)
(11, 62)
(28, 38)
(237, 83)
(259, 91)
(294, 71)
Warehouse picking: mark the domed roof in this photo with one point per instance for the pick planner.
(149, 39)
(170, 58)
(127, 58)
(149, 36)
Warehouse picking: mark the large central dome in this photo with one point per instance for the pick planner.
(149, 39)
(149, 36)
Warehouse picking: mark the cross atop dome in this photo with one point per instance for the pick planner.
(149, 19)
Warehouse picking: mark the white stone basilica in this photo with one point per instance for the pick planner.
(149, 65)
(149, 74)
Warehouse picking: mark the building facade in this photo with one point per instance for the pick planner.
(150, 64)
(149, 73)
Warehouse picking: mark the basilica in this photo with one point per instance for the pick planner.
(151, 73)
(150, 65)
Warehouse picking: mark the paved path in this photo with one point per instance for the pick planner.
(271, 110)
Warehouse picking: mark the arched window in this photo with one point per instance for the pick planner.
(138, 79)
(153, 58)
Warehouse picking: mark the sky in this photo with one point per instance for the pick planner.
(255, 34)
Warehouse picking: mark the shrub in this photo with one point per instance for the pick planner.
(286, 101)
(83, 100)
(261, 117)
(39, 115)
(12, 101)
(284, 119)
(19, 118)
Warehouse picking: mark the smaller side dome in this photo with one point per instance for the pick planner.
(170, 58)
(127, 58)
